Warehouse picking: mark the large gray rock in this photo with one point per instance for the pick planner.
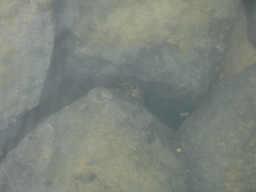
(26, 43)
(174, 42)
(170, 48)
(219, 140)
(98, 143)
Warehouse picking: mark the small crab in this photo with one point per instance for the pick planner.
(134, 92)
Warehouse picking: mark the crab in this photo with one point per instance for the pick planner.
(134, 92)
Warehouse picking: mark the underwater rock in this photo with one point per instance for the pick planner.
(99, 142)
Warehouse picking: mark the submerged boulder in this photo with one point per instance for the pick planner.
(218, 140)
(98, 143)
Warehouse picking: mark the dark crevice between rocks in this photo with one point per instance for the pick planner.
(62, 88)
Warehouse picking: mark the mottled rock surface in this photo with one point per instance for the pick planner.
(98, 143)
(240, 53)
(174, 42)
(26, 44)
(169, 47)
(219, 139)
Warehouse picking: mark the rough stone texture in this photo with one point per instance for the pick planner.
(26, 44)
(98, 143)
(170, 48)
(170, 41)
(240, 53)
(219, 139)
